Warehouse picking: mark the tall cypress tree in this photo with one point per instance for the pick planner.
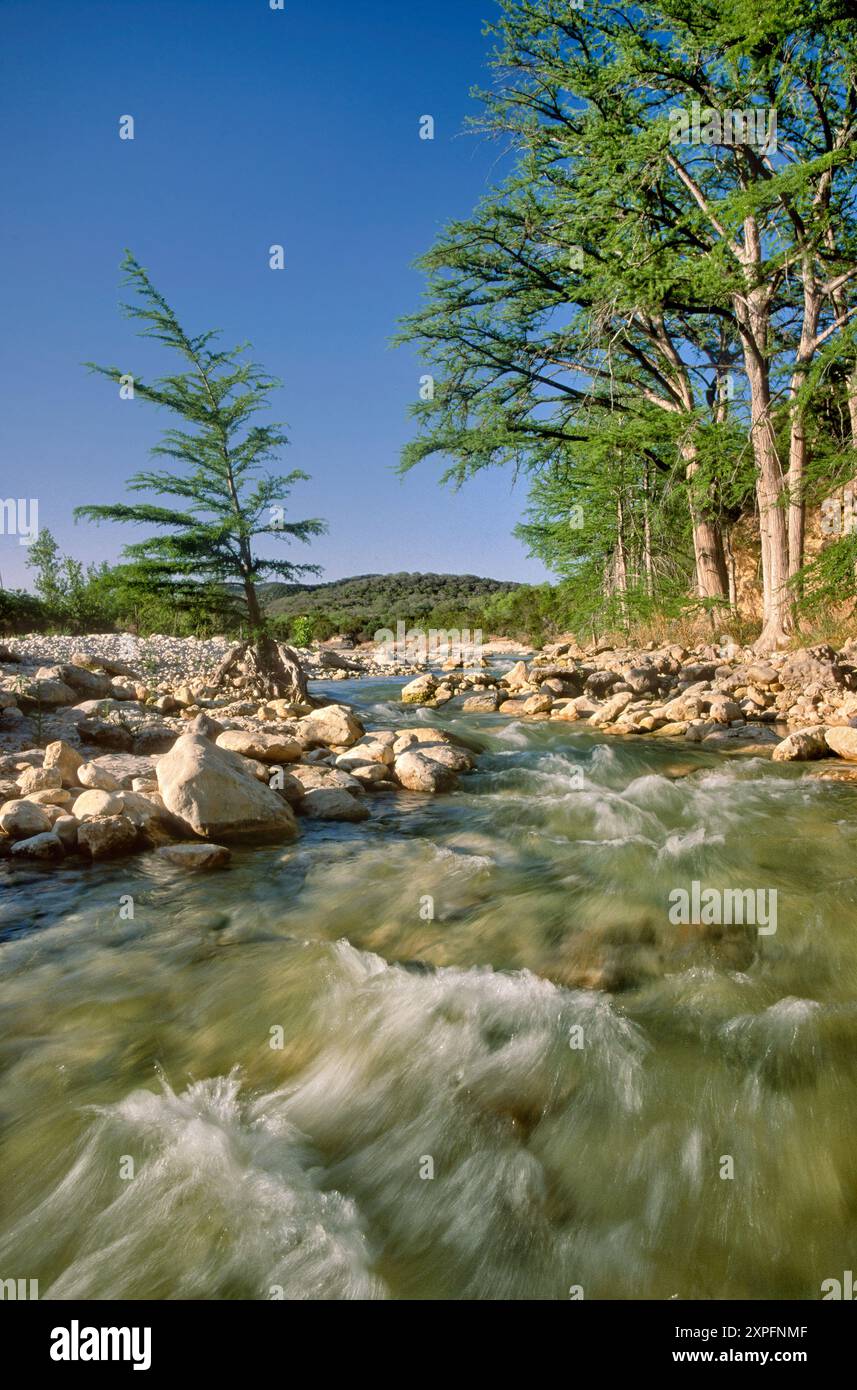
(226, 496)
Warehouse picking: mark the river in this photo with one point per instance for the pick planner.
(363, 1066)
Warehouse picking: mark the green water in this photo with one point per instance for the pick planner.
(157, 1145)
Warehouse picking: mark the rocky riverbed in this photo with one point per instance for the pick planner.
(101, 759)
(792, 706)
(100, 756)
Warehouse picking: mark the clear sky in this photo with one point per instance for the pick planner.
(253, 127)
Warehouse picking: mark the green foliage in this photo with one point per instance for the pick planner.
(21, 612)
(582, 323)
(302, 630)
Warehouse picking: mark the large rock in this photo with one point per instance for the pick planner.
(107, 836)
(203, 723)
(153, 738)
(802, 745)
(643, 680)
(97, 803)
(418, 772)
(536, 704)
(270, 748)
(334, 726)
(150, 816)
(113, 668)
(88, 683)
(723, 710)
(21, 819)
(65, 828)
(311, 776)
(599, 682)
(374, 748)
(48, 693)
(41, 847)
(50, 796)
(416, 692)
(66, 759)
(105, 734)
(196, 856)
(482, 704)
(517, 677)
(209, 790)
(368, 772)
(97, 778)
(609, 712)
(332, 803)
(412, 738)
(843, 742)
(39, 779)
(126, 767)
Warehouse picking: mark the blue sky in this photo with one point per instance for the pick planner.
(252, 127)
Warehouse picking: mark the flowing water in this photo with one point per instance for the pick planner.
(458, 1051)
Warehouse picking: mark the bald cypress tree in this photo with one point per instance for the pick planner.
(224, 497)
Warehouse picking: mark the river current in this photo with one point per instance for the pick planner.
(458, 1051)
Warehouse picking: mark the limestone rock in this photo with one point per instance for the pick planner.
(65, 828)
(37, 779)
(193, 855)
(842, 741)
(50, 796)
(334, 726)
(416, 692)
(88, 683)
(97, 778)
(420, 773)
(333, 803)
(802, 745)
(272, 748)
(40, 847)
(48, 693)
(204, 724)
(209, 790)
(482, 704)
(609, 712)
(517, 677)
(107, 835)
(537, 704)
(312, 776)
(66, 759)
(97, 803)
(20, 819)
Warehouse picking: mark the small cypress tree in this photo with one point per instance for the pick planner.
(226, 497)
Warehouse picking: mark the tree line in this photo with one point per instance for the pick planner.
(652, 313)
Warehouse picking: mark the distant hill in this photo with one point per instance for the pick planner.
(366, 602)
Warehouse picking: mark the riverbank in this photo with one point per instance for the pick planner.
(793, 706)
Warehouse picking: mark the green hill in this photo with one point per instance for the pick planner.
(366, 602)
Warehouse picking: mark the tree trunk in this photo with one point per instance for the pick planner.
(271, 671)
(647, 535)
(797, 434)
(712, 580)
(752, 314)
(621, 570)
